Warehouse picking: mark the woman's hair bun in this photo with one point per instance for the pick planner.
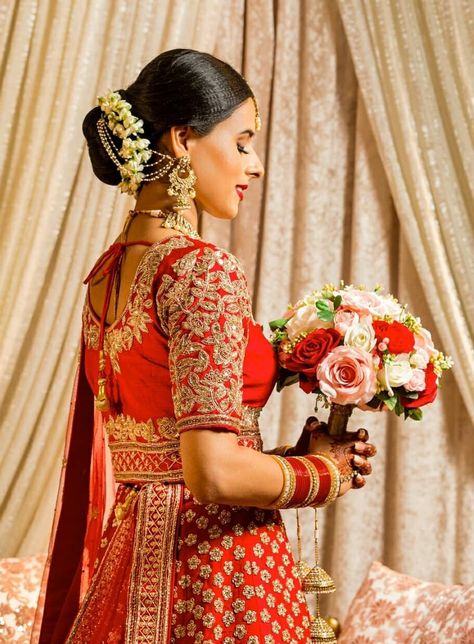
(103, 166)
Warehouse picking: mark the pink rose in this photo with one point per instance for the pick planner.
(344, 318)
(417, 381)
(347, 376)
(424, 347)
(368, 302)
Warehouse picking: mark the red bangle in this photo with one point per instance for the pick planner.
(303, 481)
(324, 479)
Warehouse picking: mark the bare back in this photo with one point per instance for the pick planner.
(132, 256)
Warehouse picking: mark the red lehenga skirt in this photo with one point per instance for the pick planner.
(167, 568)
(175, 570)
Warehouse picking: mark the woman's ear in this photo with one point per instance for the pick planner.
(178, 139)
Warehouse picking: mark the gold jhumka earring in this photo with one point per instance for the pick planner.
(181, 179)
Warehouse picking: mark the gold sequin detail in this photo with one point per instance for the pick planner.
(135, 318)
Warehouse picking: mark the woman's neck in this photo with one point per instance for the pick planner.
(154, 196)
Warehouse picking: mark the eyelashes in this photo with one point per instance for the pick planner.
(241, 149)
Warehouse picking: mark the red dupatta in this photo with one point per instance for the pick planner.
(78, 516)
(84, 489)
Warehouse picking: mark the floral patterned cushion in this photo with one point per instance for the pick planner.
(393, 608)
(19, 588)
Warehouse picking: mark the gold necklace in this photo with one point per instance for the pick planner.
(174, 220)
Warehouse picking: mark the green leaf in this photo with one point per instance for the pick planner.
(278, 324)
(337, 301)
(391, 402)
(399, 408)
(415, 414)
(374, 403)
(291, 380)
(286, 378)
(412, 395)
(322, 305)
(326, 316)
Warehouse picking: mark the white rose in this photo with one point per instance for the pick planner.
(360, 335)
(305, 319)
(420, 359)
(395, 374)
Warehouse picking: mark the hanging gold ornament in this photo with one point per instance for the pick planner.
(321, 632)
(302, 569)
(335, 624)
(317, 580)
(182, 180)
(100, 400)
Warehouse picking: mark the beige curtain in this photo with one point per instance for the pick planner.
(414, 63)
(325, 211)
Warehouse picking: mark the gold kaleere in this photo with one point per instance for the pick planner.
(315, 580)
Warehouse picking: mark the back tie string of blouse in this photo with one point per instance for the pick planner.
(113, 255)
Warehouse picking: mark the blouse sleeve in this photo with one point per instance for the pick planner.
(204, 307)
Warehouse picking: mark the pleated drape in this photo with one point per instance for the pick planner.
(414, 63)
(357, 184)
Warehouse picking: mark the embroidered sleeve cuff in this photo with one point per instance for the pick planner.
(211, 421)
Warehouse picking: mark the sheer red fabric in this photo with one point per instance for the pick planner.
(186, 354)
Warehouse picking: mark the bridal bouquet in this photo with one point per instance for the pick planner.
(358, 348)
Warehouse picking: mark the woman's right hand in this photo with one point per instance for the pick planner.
(350, 451)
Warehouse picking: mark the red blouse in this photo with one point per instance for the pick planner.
(185, 354)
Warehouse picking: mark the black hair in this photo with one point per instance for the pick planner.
(178, 87)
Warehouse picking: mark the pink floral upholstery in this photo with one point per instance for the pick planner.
(393, 608)
(19, 587)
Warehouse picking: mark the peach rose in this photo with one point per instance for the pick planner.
(424, 348)
(347, 376)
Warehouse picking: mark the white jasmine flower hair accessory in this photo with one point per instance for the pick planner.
(135, 151)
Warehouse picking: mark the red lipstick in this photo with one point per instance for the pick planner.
(240, 190)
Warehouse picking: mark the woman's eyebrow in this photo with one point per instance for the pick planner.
(249, 132)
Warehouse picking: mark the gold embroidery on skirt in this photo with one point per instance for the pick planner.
(150, 595)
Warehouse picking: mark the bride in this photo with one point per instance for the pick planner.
(174, 371)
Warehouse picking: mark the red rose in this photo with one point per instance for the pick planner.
(400, 338)
(309, 352)
(428, 395)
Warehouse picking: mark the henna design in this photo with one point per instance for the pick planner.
(341, 453)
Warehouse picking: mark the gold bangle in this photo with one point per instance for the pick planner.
(313, 472)
(335, 479)
(289, 484)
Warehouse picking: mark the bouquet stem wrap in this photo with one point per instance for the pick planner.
(338, 418)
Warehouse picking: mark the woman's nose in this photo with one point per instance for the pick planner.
(256, 168)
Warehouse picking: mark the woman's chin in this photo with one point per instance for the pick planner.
(221, 213)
